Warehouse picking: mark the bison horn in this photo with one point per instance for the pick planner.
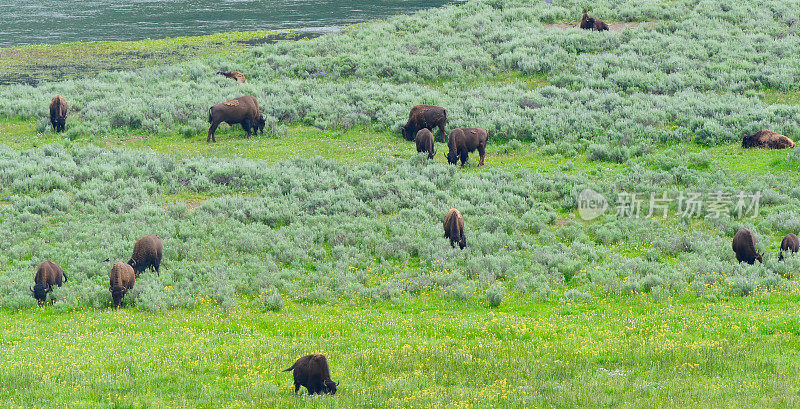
(337, 383)
(31, 288)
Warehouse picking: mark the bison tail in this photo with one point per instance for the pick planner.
(210, 120)
(65, 278)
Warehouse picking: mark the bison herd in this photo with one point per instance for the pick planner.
(744, 245)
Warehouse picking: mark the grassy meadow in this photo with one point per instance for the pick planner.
(324, 234)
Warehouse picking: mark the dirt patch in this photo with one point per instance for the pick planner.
(613, 26)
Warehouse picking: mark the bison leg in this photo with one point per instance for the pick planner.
(296, 388)
(246, 124)
(464, 157)
(443, 133)
(211, 137)
(157, 265)
(482, 153)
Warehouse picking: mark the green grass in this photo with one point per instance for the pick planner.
(36, 63)
(422, 352)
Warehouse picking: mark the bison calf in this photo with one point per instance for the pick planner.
(312, 372)
(58, 113)
(744, 245)
(425, 142)
(234, 75)
(463, 141)
(243, 110)
(789, 243)
(147, 254)
(425, 116)
(454, 228)
(767, 139)
(121, 279)
(47, 275)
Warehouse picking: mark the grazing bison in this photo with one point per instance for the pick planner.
(463, 141)
(58, 113)
(767, 139)
(121, 279)
(425, 116)
(147, 253)
(425, 142)
(789, 243)
(243, 110)
(47, 275)
(312, 372)
(454, 228)
(235, 75)
(744, 245)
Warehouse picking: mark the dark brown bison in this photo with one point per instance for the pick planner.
(598, 25)
(744, 245)
(767, 139)
(47, 275)
(425, 116)
(121, 279)
(463, 141)
(587, 23)
(312, 372)
(147, 254)
(454, 228)
(235, 75)
(243, 110)
(789, 244)
(425, 142)
(58, 113)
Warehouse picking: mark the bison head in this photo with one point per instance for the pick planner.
(760, 257)
(462, 243)
(261, 123)
(117, 293)
(452, 157)
(330, 386)
(136, 270)
(40, 292)
(406, 132)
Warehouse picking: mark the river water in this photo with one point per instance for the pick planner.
(58, 21)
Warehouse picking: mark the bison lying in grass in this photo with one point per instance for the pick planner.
(767, 139)
(454, 228)
(47, 275)
(744, 245)
(462, 141)
(121, 279)
(58, 113)
(312, 372)
(424, 116)
(789, 244)
(147, 254)
(243, 110)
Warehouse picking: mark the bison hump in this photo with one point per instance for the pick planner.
(231, 103)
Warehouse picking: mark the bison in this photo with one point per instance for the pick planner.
(121, 279)
(424, 116)
(47, 275)
(243, 110)
(587, 23)
(234, 75)
(312, 372)
(744, 245)
(425, 142)
(147, 254)
(463, 141)
(767, 139)
(598, 25)
(454, 228)
(58, 113)
(789, 243)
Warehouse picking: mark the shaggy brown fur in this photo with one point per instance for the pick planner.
(47, 275)
(598, 25)
(454, 228)
(242, 110)
(425, 142)
(312, 372)
(744, 245)
(121, 279)
(147, 253)
(767, 139)
(58, 113)
(425, 116)
(789, 243)
(462, 141)
(235, 75)
(586, 22)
